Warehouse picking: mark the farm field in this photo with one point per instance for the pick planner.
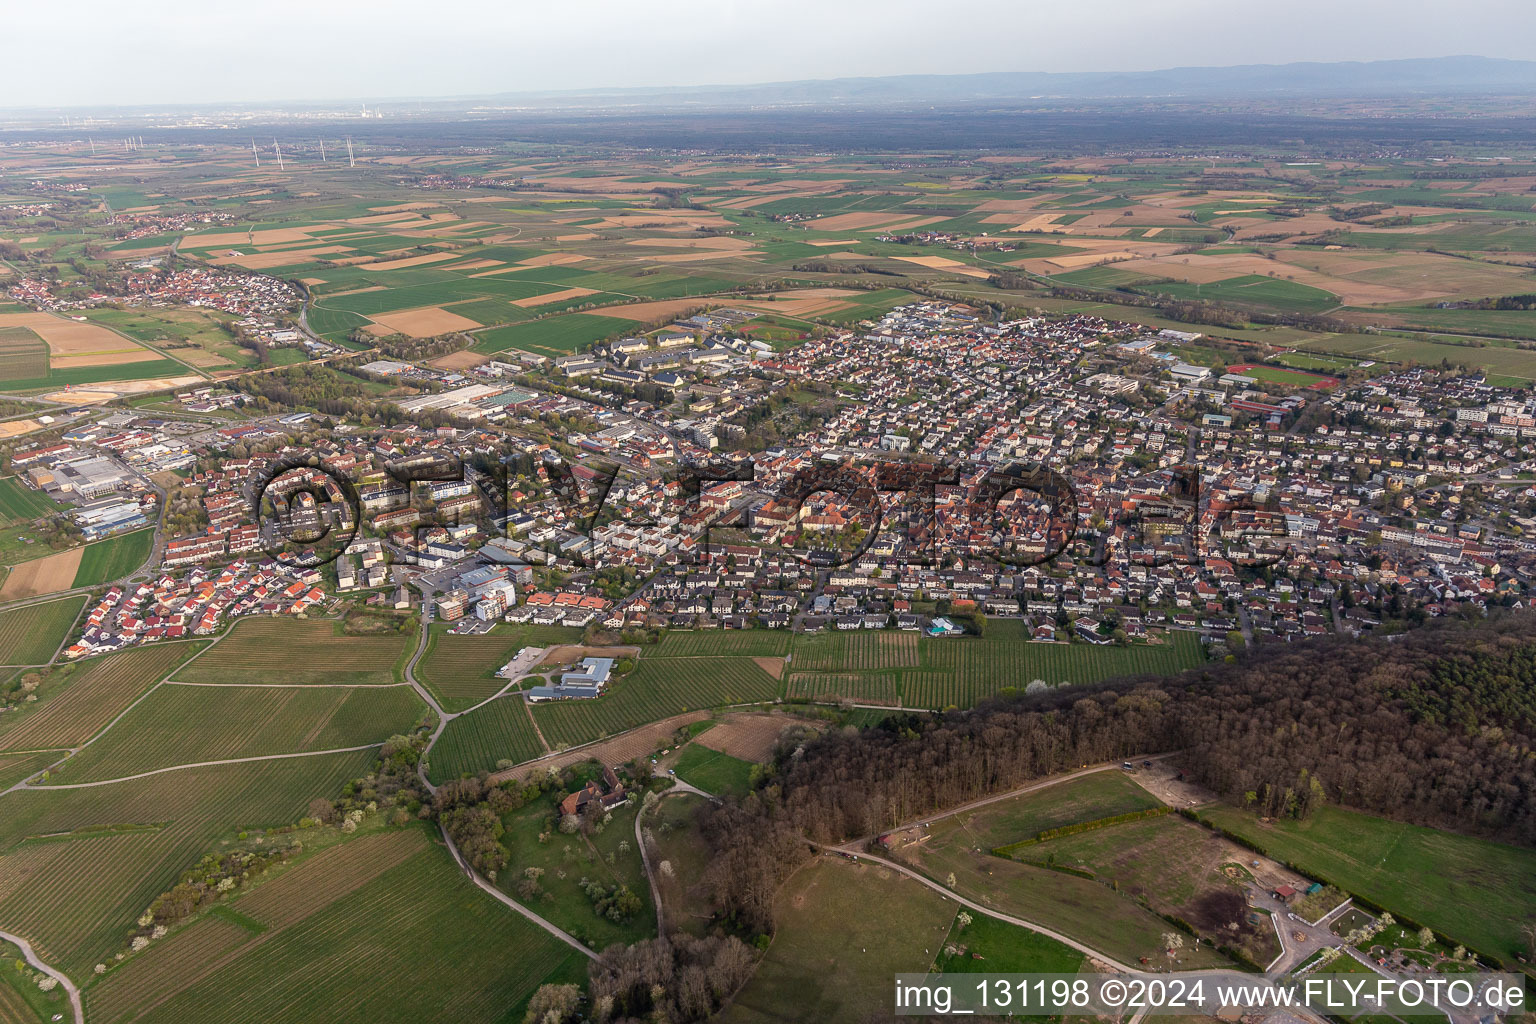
(89, 881)
(186, 724)
(498, 731)
(389, 902)
(1100, 795)
(31, 635)
(1511, 362)
(113, 558)
(842, 930)
(724, 643)
(552, 336)
(658, 688)
(460, 670)
(902, 669)
(19, 503)
(1255, 290)
(1473, 890)
(566, 859)
(37, 577)
(80, 699)
(1004, 949)
(716, 773)
(293, 651)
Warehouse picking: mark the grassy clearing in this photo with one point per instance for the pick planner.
(298, 652)
(31, 635)
(843, 930)
(1473, 890)
(114, 557)
(568, 859)
(678, 843)
(1004, 948)
(715, 773)
(1100, 795)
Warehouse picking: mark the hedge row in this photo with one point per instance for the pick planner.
(1082, 826)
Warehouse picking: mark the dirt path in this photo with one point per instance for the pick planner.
(52, 972)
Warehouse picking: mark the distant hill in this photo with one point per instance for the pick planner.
(1443, 76)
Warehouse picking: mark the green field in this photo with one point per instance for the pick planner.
(1004, 949)
(297, 652)
(842, 931)
(22, 504)
(1277, 375)
(552, 336)
(567, 859)
(498, 731)
(77, 700)
(659, 688)
(901, 668)
(1475, 891)
(715, 773)
(23, 355)
(673, 823)
(1087, 910)
(76, 376)
(724, 643)
(85, 888)
(190, 724)
(114, 557)
(460, 670)
(1497, 358)
(391, 908)
(1100, 795)
(31, 635)
(1257, 291)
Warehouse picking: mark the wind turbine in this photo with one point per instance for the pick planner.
(279, 150)
(93, 144)
(351, 160)
(322, 151)
(254, 153)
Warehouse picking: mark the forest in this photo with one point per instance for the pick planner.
(1434, 727)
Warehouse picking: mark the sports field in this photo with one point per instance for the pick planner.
(297, 652)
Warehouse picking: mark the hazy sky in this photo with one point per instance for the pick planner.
(93, 52)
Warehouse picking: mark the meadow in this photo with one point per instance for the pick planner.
(1100, 795)
(842, 931)
(1475, 891)
(395, 902)
(552, 336)
(658, 688)
(567, 859)
(678, 842)
(31, 635)
(187, 724)
(294, 651)
(715, 773)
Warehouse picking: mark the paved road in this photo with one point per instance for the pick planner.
(52, 972)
